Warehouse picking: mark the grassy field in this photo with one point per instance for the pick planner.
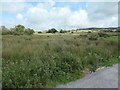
(41, 61)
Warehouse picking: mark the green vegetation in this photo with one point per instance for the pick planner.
(53, 30)
(45, 61)
(17, 30)
(111, 62)
(62, 31)
(102, 34)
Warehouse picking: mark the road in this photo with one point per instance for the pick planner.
(104, 78)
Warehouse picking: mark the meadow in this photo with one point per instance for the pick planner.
(41, 61)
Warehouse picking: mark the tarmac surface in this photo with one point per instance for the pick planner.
(103, 78)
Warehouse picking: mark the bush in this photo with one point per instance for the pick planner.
(53, 30)
(39, 32)
(18, 30)
(93, 37)
(101, 34)
(118, 30)
(28, 31)
(6, 31)
(89, 31)
(62, 31)
(109, 30)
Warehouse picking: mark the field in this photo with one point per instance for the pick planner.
(41, 61)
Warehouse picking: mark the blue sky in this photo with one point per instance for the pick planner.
(61, 15)
(72, 5)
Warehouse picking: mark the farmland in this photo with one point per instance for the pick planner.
(46, 60)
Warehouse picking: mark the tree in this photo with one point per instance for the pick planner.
(19, 29)
(29, 31)
(4, 30)
(39, 32)
(53, 30)
(72, 32)
(62, 31)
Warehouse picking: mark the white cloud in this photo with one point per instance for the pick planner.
(45, 15)
(114, 18)
(78, 19)
(102, 10)
(102, 13)
(12, 7)
(19, 16)
(59, 18)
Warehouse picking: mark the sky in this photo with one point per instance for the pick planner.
(42, 15)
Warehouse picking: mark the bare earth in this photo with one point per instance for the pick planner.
(103, 78)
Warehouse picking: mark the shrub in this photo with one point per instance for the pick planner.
(53, 30)
(18, 30)
(89, 31)
(118, 30)
(101, 34)
(6, 31)
(62, 31)
(74, 37)
(70, 63)
(39, 32)
(28, 31)
(48, 36)
(93, 37)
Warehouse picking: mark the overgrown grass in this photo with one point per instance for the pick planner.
(42, 61)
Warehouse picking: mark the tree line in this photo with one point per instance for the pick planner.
(21, 30)
(17, 30)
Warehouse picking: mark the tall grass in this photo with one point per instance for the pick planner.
(41, 61)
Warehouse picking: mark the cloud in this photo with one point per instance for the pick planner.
(12, 7)
(19, 16)
(101, 14)
(78, 19)
(102, 10)
(58, 17)
(45, 15)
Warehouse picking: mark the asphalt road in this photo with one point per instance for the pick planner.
(103, 78)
